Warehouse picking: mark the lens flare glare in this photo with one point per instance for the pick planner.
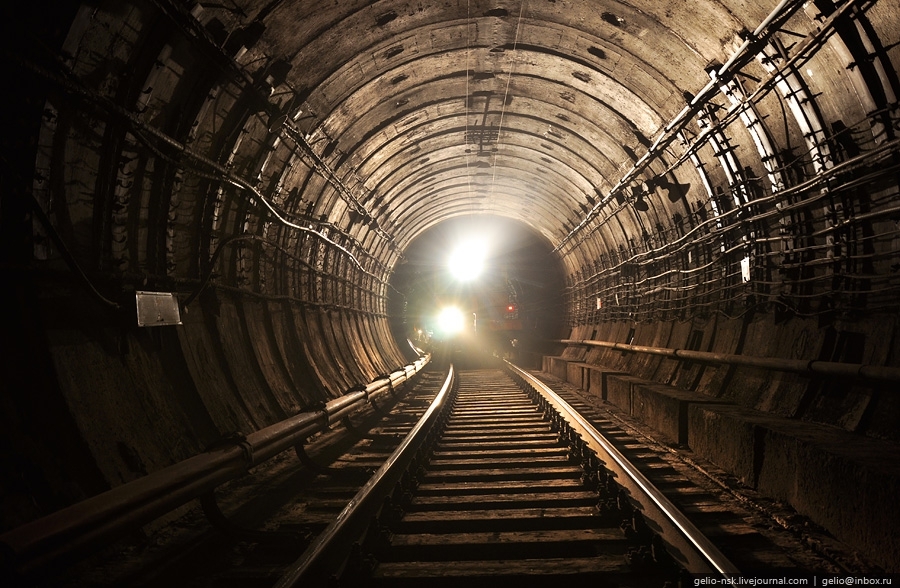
(467, 260)
(450, 320)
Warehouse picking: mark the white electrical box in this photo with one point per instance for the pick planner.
(157, 309)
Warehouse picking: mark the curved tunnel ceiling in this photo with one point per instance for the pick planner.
(536, 111)
(372, 122)
(519, 110)
(711, 175)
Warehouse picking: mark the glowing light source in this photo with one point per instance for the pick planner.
(450, 320)
(467, 260)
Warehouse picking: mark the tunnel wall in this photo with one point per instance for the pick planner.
(151, 147)
(773, 234)
(826, 446)
(117, 402)
(855, 406)
(280, 310)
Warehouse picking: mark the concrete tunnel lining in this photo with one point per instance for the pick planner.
(151, 133)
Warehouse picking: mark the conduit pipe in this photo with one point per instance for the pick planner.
(799, 366)
(784, 10)
(221, 172)
(67, 534)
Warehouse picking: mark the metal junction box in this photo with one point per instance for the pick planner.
(156, 309)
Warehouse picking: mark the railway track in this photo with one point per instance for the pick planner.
(511, 484)
(481, 478)
(264, 521)
(503, 497)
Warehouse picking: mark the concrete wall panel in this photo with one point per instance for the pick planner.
(207, 366)
(268, 358)
(243, 367)
(287, 334)
(126, 409)
(323, 361)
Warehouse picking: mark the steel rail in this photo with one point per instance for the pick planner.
(74, 531)
(799, 366)
(374, 490)
(687, 545)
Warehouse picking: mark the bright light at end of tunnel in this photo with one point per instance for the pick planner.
(451, 320)
(467, 260)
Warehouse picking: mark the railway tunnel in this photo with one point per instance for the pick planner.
(216, 216)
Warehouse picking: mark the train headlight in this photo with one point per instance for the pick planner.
(450, 320)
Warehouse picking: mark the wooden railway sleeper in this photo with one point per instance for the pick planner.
(415, 470)
(653, 556)
(356, 568)
(393, 508)
(609, 493)
(375, 544)
(614, 507)
(377, 539)
(614, 504)
(636, 529)
(561, 427)
(581, 453)
(591, 478)
(608, 510)
(407, 484)
(674, 528)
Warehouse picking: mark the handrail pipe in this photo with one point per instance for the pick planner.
(72, 532)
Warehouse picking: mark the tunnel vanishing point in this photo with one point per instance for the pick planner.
(716, 184)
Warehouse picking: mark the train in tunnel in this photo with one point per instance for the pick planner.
(206, 208)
